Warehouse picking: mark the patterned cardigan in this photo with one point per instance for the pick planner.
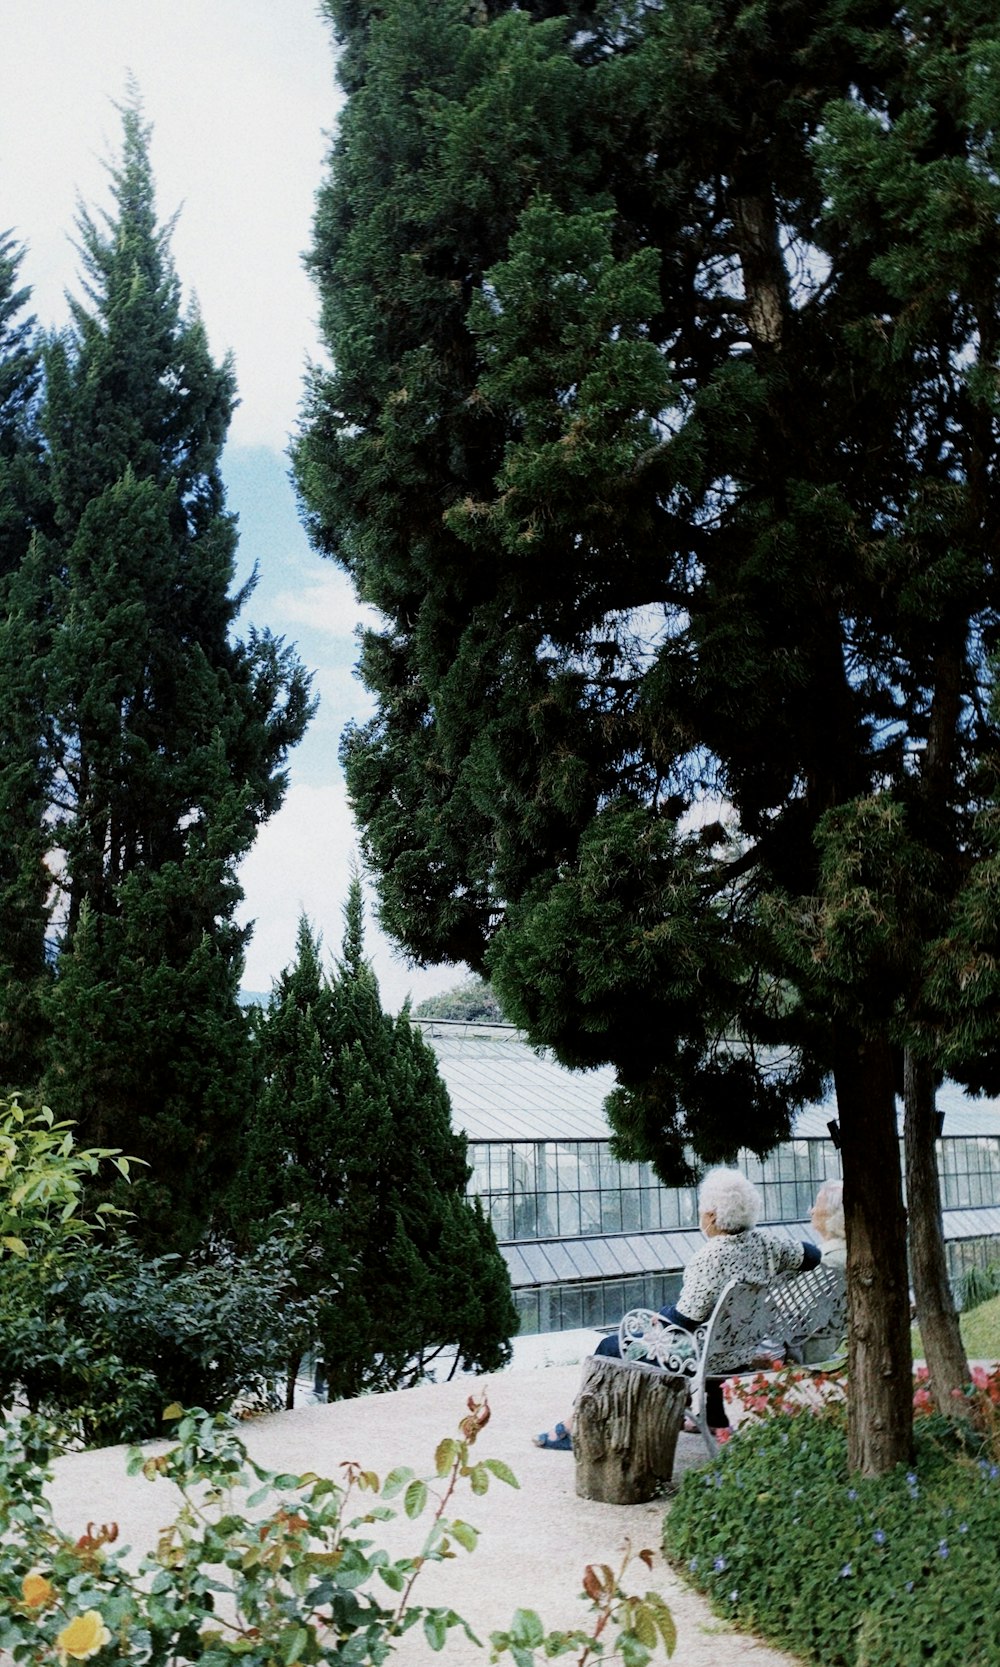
(752, 1254)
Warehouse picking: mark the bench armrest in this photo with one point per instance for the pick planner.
(644, 1335)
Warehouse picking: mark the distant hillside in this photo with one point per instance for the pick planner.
(254, 998)
(473, 1001)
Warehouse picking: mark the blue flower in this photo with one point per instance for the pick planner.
(845, 1571)
(879, 1536)
(719, 1565)
(733, 1596)
(963, 1527)
(943, 1548)
(852, 1494)
(693, 1565)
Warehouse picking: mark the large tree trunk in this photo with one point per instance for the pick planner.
(880, 1363)
(940, 1335)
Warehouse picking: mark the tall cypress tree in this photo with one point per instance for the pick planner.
(24, 880)
(662, 429)
(353, 1129)
(166, 736)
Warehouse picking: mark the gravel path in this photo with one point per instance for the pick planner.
(535, 1541)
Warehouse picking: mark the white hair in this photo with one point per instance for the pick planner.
(731, 1198)
(830, 1199)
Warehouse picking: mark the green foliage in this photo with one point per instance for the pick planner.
(882, 1572)
(163, 737)
(352, 1127)
(264, 1566)
(99, 1337)
(24, 881)
(674, 477)
(42, 1177)
(979, 1285)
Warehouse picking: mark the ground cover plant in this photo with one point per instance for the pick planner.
(980, 1329)
(269, 1568)
(859, 1572)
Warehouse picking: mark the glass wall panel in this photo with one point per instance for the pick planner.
(591, 1303)
(550, 1189)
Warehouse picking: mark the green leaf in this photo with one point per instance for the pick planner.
(465, 1534)
(526, 1629)
(502, 1472)
(435, 1629)
(644, 1626)
(633, 1652)
(447, 1452)
(479, 1478)
(17, 1246)
(664, 1620)
(415, 1498)
(293, 1642)
(396, 1481)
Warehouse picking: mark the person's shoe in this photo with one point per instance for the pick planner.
(560, 1440)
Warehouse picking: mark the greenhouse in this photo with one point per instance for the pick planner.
(586, 1237)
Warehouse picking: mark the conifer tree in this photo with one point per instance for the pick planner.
(166, 736)
(24, 880)
(662, 429)
(352, 1128)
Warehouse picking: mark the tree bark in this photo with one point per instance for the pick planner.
(939, 1330)
(880, 1362)
(765, 281)
(625, 1427)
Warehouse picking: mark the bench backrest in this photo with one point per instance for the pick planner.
(749, 1320)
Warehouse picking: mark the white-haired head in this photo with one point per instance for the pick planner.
(731, 1199)
(828, 1210)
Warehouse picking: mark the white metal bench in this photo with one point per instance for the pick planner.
(750, 1326)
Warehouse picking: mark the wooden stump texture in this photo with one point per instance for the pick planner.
(625, 1427)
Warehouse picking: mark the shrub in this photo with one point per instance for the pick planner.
(266, 1568)
(979, 1285)
(847, 1572)
(102, 1338)
(98, 1336)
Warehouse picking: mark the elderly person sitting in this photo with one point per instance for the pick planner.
(729, 1208)
(827, 1217)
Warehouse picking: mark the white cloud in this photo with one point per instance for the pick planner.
(242, 97)
(325, 602)
(301, 864)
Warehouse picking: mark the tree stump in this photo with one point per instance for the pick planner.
(625, 1426)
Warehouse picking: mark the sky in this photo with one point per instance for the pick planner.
(242, 99)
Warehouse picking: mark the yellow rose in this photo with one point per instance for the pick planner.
(85, 1635)
(36, 1591)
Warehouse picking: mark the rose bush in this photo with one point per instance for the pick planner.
(266, 1568)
